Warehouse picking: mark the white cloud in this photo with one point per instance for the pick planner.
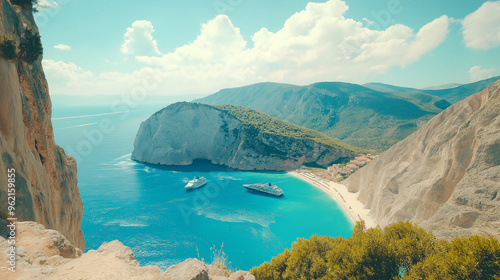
(139, 39)
(481, 29)
(71, 79)
(368, 21)
(62, 47)
(316, 44)
(64, 77)
(46, 4)
(68, 71)
(398, 45)
(477, 73)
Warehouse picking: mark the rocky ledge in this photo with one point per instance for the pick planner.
(46, 254)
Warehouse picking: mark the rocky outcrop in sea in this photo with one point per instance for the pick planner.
(184, 132)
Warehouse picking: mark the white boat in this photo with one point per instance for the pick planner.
(265, 188)
(196, 183)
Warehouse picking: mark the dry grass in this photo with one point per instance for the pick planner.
(220, 266)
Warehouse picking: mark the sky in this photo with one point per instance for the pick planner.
(170, 48)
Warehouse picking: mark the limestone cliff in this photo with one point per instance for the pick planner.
(445, 176)
(46, 184)
(183, 132)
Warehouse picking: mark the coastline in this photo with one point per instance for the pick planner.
(348, 201)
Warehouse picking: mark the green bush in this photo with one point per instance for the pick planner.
(399, 251)
(266, 124)
(25, 4)
(8, 47)
(30, 47)
(463, 258)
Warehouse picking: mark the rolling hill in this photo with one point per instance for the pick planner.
(352, 113)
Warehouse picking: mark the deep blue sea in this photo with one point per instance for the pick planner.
(147, 208)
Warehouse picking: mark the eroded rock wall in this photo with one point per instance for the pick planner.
(46, 182)
(445, 176)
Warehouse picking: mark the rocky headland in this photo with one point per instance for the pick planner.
(234, 136)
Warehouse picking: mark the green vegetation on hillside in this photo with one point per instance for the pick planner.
(30, 47)
(8, 47)
(264, 123)
(25, 4)
(28, 50)
(356, 115)
(399, 251)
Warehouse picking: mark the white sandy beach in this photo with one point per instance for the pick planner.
(349, 202)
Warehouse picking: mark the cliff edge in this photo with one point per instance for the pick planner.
(445, 176)
(46, 254)
(46, 183)
(234, 136)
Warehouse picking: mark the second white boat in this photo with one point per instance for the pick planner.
(265, 188)
(196, 183)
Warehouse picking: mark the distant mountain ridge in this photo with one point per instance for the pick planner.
(451, 92)
(352, 113)
(370, 116)
(445, 86)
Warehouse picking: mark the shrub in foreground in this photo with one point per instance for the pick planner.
(399, 251)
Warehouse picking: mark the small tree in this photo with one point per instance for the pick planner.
(23, 3)
(30, 47)
(26, 4)
(8, 47)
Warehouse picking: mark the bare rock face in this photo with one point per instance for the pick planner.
(47, 254)
(445, 176)
(184, 132)
(241, 275)
(46, 183)
(190, 269)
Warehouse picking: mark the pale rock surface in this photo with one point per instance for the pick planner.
(445, 176)
(190, 269)
(46, 182)
(184, 132)
(241, 275)
(46, 254)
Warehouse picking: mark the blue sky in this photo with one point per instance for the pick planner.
(201, 46)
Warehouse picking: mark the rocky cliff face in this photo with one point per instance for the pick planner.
(183, 132)
(46, 184)
(445, 176)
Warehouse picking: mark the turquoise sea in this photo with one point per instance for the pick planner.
(147, 208)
